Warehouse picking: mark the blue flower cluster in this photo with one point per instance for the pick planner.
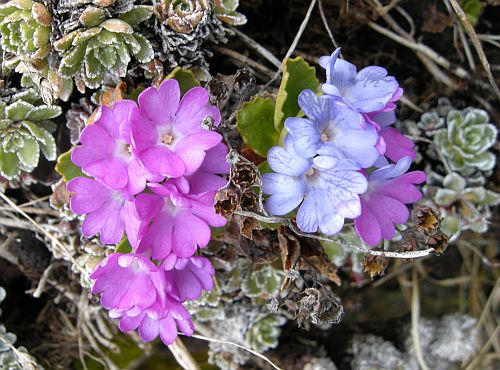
(320, 169)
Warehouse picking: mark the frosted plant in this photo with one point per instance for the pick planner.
(25, 131)
(25, 29)
(465, 207)
(102, 47)
(466, 141)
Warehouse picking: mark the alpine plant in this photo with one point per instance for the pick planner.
(344, 159)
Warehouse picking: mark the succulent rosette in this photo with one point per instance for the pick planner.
(25, 29)
(466, 141)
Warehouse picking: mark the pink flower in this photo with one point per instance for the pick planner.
(173, 219)
(188, 277)
(167, 132)
(207, 178)
(162, 320)
(134, 289)
(383, 205)
(395, 144)
(106, 151)
(128, 282)
(108, 211)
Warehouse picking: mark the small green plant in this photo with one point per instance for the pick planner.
(25, 130)
(466, 141)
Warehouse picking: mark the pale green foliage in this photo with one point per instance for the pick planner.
(466, 140)
(245, 324)
(225, 10)
(25, 29)
(263, 282)
(103, 47)
(464, 207)
(235, 310)
(25, 130)
(264, 333)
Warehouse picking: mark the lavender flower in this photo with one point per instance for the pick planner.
(108, 211)
(332, 125)
(383, 205)
(326, 187)
(106, 151)
(369, 90)
(167, 132)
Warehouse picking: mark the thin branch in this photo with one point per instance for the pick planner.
(291, 225)
(327, 27)
(258, 48)
(477, 44)
(52, 238)
(244, 59)
(295, 41)
(415, 313)
(423, 50)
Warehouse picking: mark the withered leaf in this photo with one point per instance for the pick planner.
(375, 265)
(426, 220)
(438, 241)
(243, 175)
(247, 225)
(226, 201)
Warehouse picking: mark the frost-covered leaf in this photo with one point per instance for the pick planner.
(44, 112)
(49, 148)
(9, 164)
(29, 154)
(18, 110)
(145, 53)
(137, 15)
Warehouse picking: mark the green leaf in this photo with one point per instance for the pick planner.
(472, 8)
(44, 112)
(146, 53)
(185, 78)
(255, 124)
(9, 164)
(66, 168)
(123, 246)
(29, 154)
(18, 110)
(137, 15)
(297, 76)
(72, 62)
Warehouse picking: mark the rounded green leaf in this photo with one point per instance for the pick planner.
(29, 154)
(185, 78)
(66, 168)
(297, 76)
(255, 124)
(9, 165)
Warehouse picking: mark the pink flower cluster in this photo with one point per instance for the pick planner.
(154, 169)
